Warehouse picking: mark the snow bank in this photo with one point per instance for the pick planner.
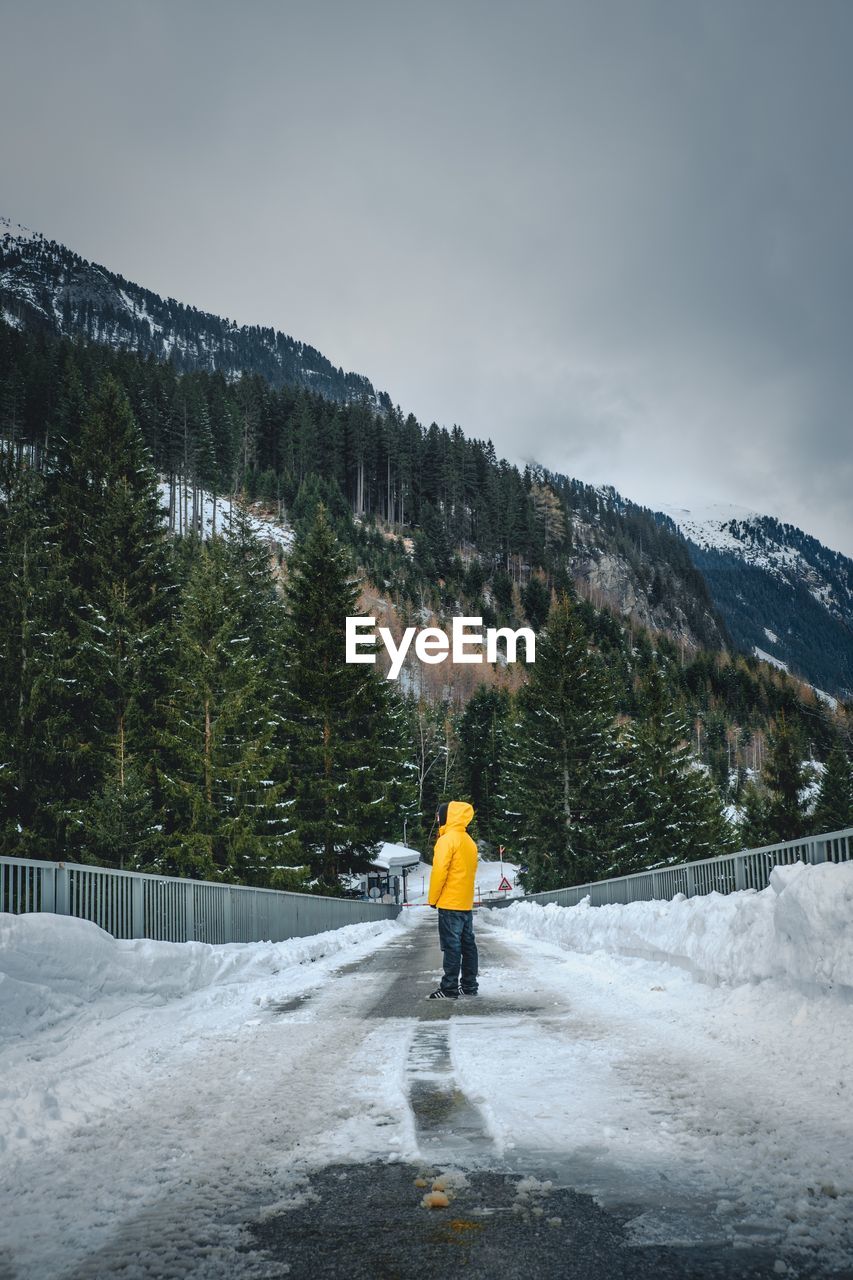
(55, 967)
(85, 1017)
(798, 930)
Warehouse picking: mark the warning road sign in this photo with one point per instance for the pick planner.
(504, 884)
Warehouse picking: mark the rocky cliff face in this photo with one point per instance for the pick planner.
(650, 592)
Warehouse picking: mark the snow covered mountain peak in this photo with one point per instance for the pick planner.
(719, 525)
(775, 585)
(767, 543)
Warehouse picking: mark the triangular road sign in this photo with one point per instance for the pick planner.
(504, 884)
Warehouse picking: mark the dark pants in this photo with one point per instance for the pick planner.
(456, 939)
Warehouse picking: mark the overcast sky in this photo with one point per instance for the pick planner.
(616, 236)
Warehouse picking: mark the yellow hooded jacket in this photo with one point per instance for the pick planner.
(454, 863)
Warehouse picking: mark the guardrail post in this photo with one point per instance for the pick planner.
(691, 881)
(740, 872)
(226, 915)
(819, 850)
(61, 890)
(47, 886)
(137, 908)
(189, 912)
(655, 884)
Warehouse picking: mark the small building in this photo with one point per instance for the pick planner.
(386, 879)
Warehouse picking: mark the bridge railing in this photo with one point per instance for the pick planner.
(748, 869)
(130, 904)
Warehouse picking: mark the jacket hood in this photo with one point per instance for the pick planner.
(459, 814)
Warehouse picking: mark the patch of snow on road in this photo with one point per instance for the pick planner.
(722, 1110)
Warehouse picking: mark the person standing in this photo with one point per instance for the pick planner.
(451, 892)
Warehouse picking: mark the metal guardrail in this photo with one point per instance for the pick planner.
(130, 904)
(749, 869)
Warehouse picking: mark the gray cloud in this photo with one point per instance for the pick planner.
(614, 236)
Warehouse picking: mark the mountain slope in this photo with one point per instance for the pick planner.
(441, 522)
(43, 285)
(739, 577)
(783, 595)
(627, 560)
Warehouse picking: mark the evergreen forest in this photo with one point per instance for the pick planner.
(177, 702)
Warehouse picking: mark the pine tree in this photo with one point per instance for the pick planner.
(834, 809)
(564, 802)
(120, 828)
(111, 534)
(675, 809)
(536, 601)
(432, 550)
(39, 750)
(502, 593)
(753, 826)
(223, 765)
(785, 779)
(483, 736)
(550, 518)
(432, 731)
(344, 732)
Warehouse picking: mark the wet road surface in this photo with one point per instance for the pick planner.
(512, 1215)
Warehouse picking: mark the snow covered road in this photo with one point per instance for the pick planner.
(143, 1130)
(148, 1119)
(721, 1113)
